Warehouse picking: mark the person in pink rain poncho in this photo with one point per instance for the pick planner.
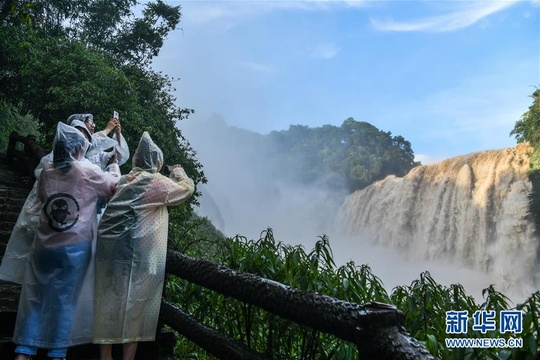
(52, 308)
(22, 236)
(131, 251)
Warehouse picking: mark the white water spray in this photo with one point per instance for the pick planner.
(469, 210)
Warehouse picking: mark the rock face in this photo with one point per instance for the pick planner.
(472, 209)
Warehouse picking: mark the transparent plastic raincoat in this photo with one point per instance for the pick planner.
(21, 238)
(98, 153)
(132, 247)
(55, 309)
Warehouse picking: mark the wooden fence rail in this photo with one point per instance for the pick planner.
(376, 329)
(26, 159)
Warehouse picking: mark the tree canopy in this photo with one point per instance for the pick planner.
(356, 150)
(61, 57)
(527, 129)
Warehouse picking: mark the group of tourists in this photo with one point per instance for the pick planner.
(90, 244)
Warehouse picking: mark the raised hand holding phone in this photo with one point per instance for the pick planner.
(117, 128)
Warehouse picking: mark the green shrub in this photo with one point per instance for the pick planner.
(424, 303)
(12, 119)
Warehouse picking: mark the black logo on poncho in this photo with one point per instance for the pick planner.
(63, 211)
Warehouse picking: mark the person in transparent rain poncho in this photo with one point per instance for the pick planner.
(21, 238)
(104, 150)
(101, 142)
(131, 251)
(54, 306)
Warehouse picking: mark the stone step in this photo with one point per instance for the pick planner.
(10, 216)
(15, 191)
(9, 301)
(6, 210)
(16, 184)
(11, 204)
(13, 197)
(4, 237)
(3, 247)
(145, 350)
(7, 225)
(14, 179)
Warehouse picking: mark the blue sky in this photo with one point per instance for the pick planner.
(452, 77)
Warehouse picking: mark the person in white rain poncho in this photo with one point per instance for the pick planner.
(101, 142)
(21, 238)
(53, 307)
(131, 251)
(104, 150)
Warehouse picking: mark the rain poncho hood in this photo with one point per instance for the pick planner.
(79, 124)
(148, 156)
(69, 145)
(80, 117)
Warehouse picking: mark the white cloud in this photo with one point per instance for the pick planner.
(233, 10)
(325, 51)
(471, 13)
(260, 68)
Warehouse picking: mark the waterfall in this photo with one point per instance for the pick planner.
(471, 210)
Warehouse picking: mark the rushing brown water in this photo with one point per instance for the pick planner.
(471, 210)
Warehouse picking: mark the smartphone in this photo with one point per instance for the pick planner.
(115, 115)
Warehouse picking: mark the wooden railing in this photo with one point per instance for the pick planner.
(28, 158)
(376, 329)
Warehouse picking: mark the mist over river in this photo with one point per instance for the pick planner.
(463, 219)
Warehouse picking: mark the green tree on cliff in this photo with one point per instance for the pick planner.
(528, 129)
(356, 150)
